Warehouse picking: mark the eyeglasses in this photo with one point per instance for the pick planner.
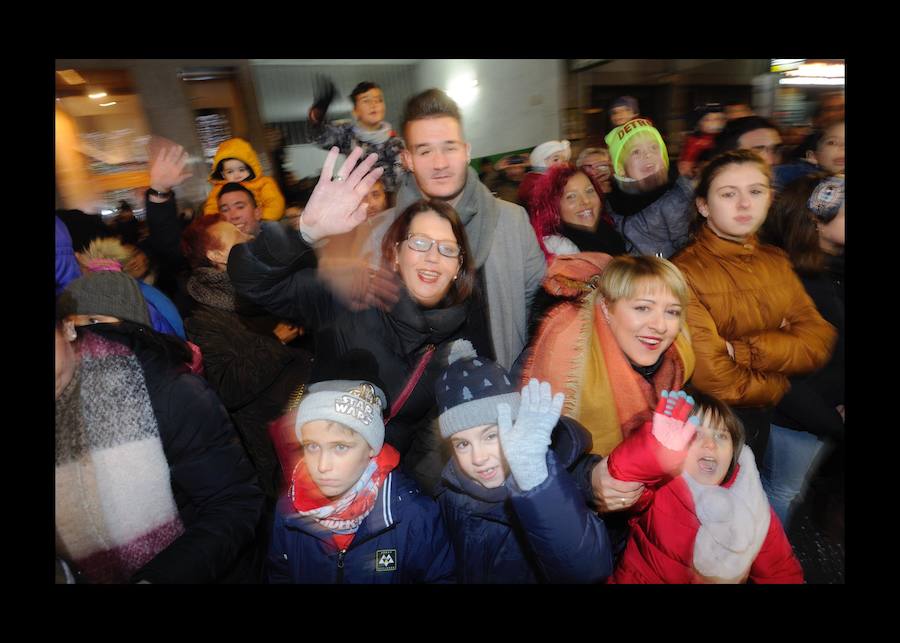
(421, 243)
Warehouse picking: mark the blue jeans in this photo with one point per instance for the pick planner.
(788, 465)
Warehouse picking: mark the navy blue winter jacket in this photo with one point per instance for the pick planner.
(547, 534)
(403, 540)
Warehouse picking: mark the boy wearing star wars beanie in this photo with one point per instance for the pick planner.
(512, 509)
(650, 205)
(349, 515)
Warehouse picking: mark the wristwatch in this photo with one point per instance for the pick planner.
(158, 194)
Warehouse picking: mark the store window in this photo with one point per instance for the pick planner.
(101, 142)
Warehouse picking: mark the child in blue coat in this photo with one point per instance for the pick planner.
(349, 515)
(512, 509)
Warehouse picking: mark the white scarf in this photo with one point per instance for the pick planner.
(379, 136)
(734, 522)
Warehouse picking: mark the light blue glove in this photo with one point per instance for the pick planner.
(525, 443)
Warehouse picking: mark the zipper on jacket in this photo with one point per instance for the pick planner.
(340, 563)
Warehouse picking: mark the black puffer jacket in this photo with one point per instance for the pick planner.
(254, 375)
(262, 272)
(810, 403)
(213, 482)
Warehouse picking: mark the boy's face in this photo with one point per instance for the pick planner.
(620, 115)
(369, 107)
(335, 456)
(710, 453)
(477, 452)
(642, 157)
(234, 171)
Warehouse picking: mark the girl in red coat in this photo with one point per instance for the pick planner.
(704, 517)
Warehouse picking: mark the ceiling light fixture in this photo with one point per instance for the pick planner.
(97, 95)
(107, 104)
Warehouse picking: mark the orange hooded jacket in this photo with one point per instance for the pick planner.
(264, 188)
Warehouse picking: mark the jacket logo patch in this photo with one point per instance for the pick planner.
(385, 560)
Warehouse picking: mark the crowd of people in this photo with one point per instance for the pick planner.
(622, 369)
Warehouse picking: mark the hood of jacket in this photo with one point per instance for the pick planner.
(235, 148)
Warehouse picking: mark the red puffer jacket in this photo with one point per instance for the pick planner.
(686, 532)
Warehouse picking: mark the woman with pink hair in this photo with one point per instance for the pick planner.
(568, 217)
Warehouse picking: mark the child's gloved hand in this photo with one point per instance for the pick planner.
(671, 425)
(525, 443)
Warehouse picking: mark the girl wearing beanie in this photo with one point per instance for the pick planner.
(350, 516)
(512, 509)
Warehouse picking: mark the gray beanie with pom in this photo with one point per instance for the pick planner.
(470, 389)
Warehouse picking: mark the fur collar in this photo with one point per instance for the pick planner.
(734, 522)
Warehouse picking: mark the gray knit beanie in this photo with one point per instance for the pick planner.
(356, 404)
(470, 389)
(347, 390)
(105, 293)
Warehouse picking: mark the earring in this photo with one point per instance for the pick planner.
(604, 309)
(456, 276)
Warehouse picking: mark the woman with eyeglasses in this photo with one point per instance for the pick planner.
(426, 250)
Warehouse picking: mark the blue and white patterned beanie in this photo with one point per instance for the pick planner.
(469, 391)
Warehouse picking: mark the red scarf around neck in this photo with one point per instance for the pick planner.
(342, 515)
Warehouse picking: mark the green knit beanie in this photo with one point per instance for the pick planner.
(617, 138)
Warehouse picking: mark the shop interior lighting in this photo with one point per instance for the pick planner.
(463, 90)
(810, 80)
(72, 77)
(107, 104)
(818, 70)
(97, 95)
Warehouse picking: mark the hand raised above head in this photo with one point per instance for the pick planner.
(671, 424)
(526, 441)
(167, 168)
(336, 205)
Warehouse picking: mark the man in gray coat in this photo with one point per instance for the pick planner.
(509, 261)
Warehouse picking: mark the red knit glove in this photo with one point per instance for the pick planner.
(671, 424)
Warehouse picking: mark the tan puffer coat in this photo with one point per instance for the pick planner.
(748, 294)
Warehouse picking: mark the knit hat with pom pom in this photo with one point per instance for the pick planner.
(470, 389)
